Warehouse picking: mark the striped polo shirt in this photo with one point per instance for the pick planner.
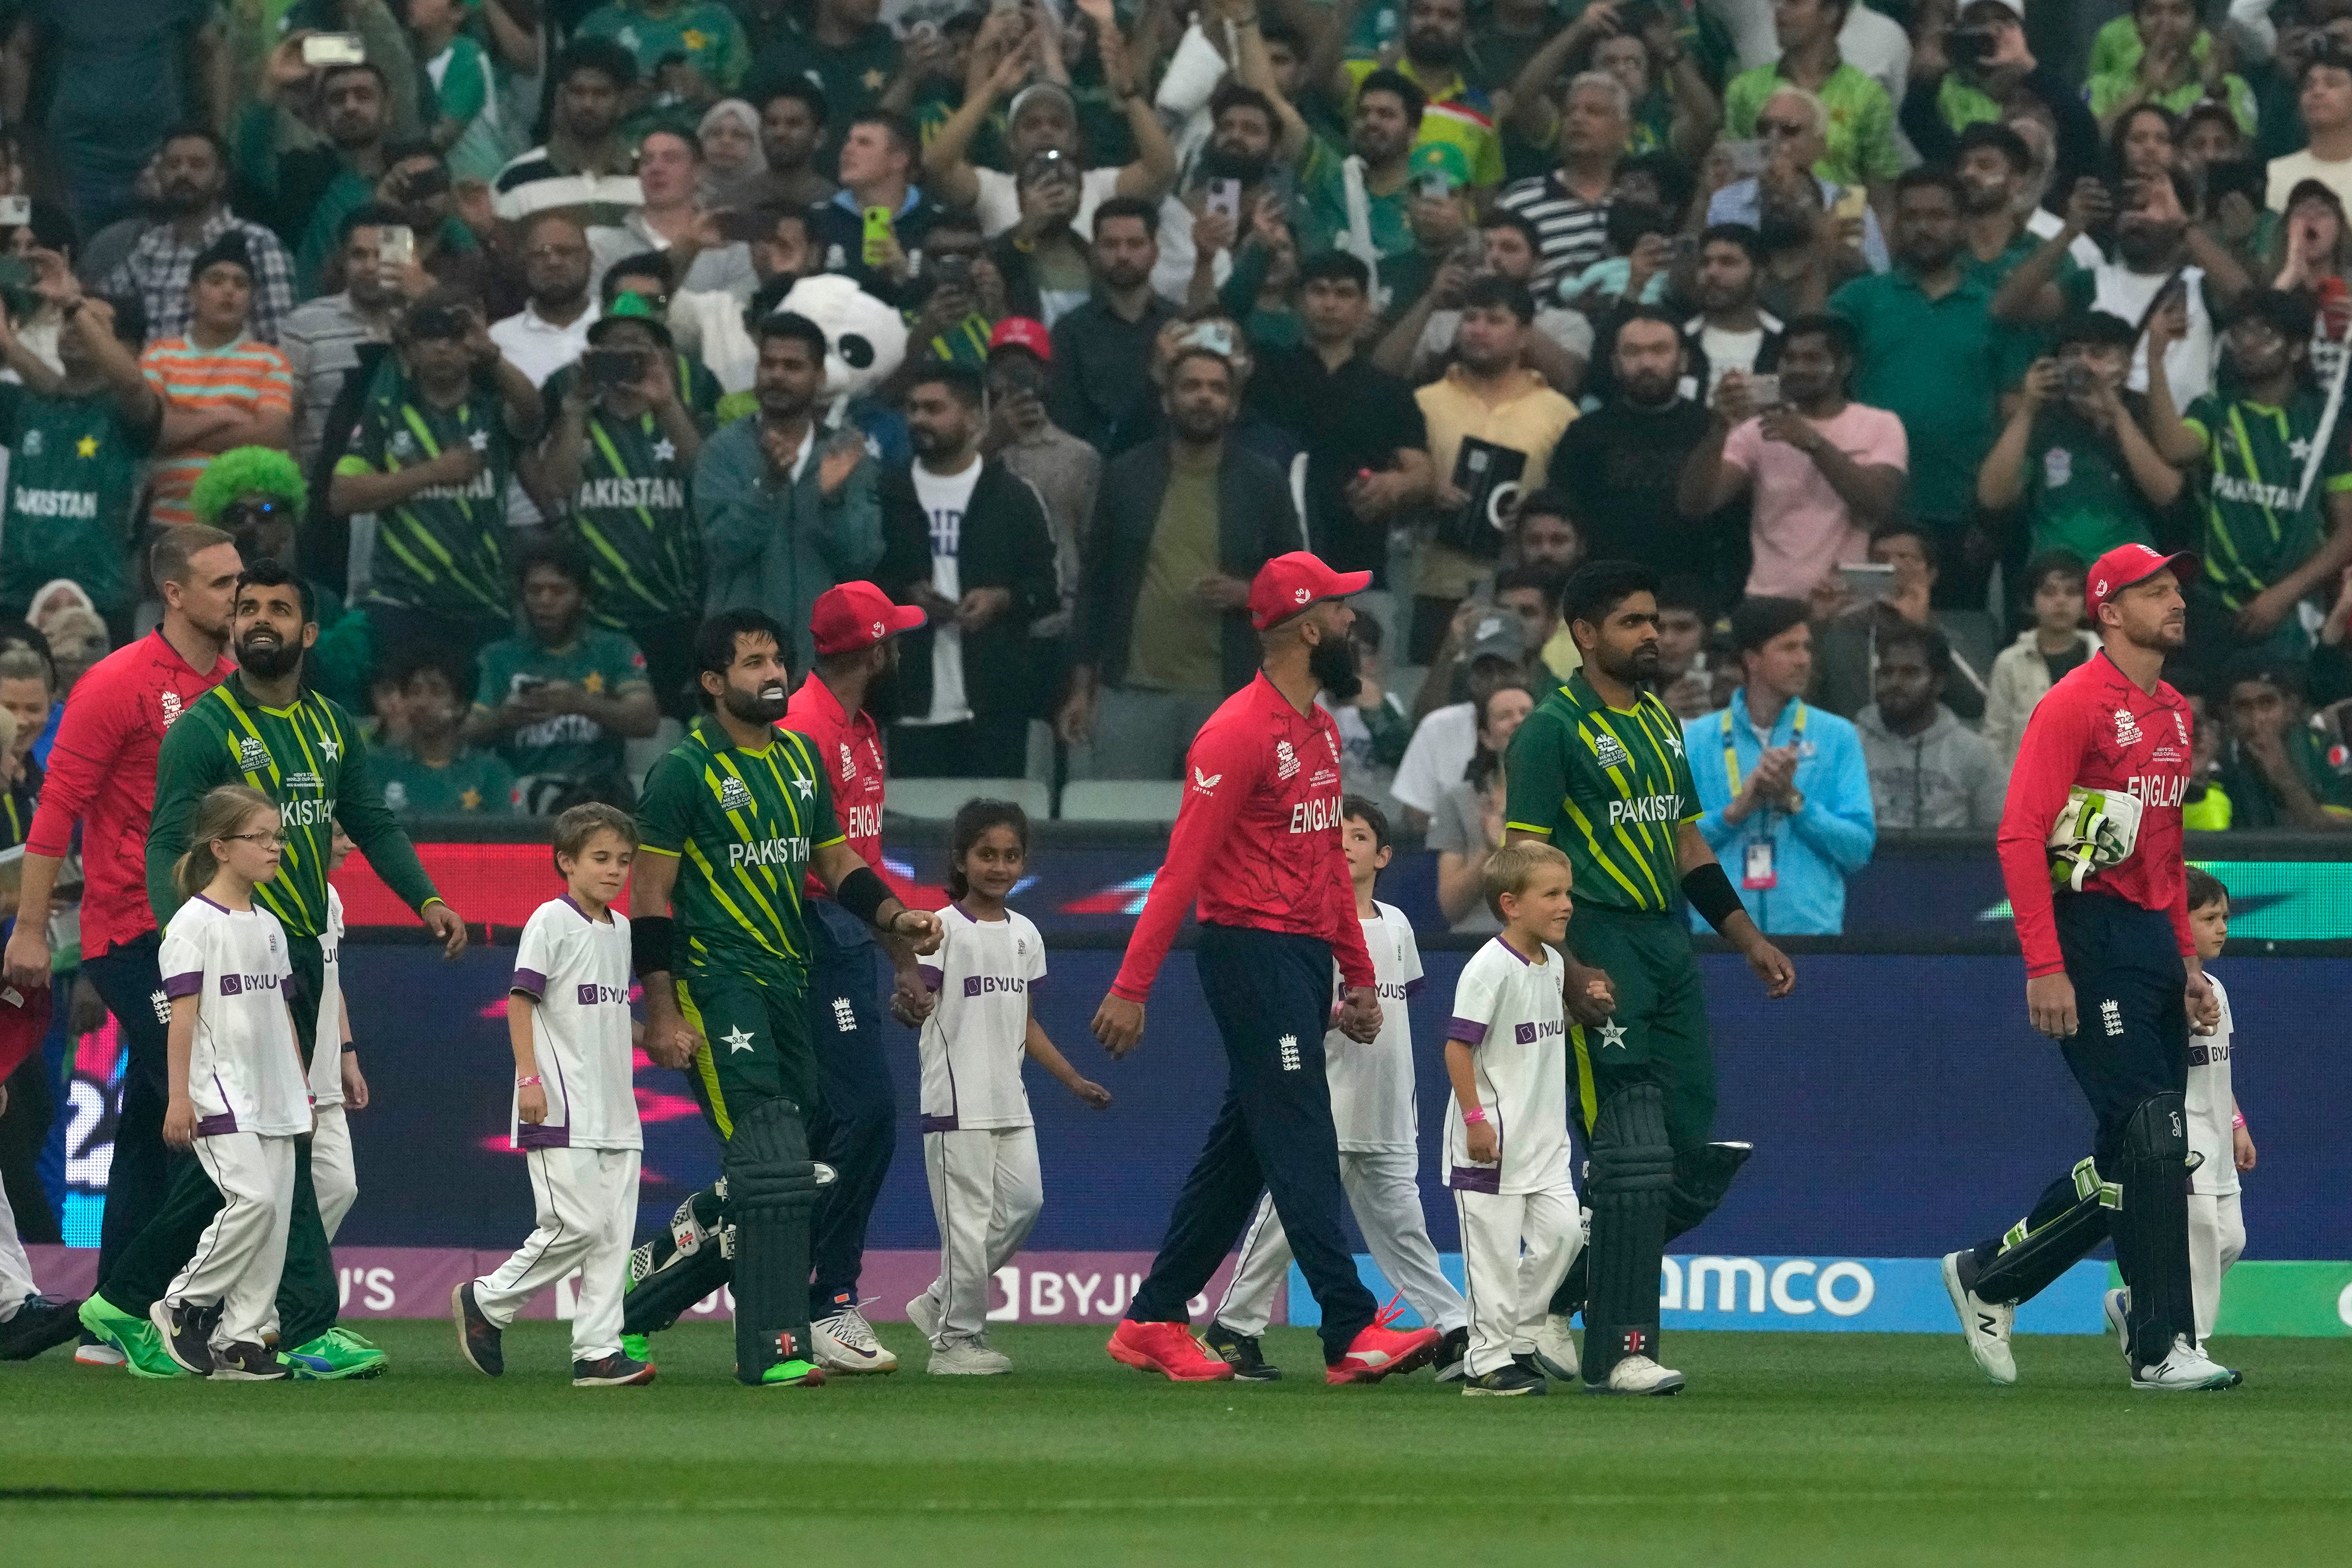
(242, 375)
(1574, 232)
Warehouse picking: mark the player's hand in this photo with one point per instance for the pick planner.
(530, 1104)
(1772, 967)
(1119, 1024)
(1589, 1006)
(1097, 1095)
(179, 1123)
(911, 1001)
(2204, 1007)
(1360, 1015)
(2050, 1003)
(355, 1088)
(920, 927)
(26, 965)
(670, 1040)
(448, 927)
(2242, 1149)
(1485, 1148)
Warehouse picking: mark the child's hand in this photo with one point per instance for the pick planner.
(355, 1088)
(1485, 1149)
(530, 1104)
(1597, 992)
(1097, 1095)
(2242, 1148)
(179, 1123)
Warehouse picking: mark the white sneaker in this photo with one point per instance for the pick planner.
(99, 1355)
(2188, 1370)
(1984, 1324)
(2117, 1304)
(1638, 1375)
(1556, 1348)
(968, 1358)
(845, 1342)
(923, 1311)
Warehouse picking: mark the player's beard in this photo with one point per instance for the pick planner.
(1632, 667)
(269, 659)
(764, 706)
(1332, 662)
(885, 696)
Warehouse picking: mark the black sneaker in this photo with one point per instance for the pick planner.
(185, 1334)
(1453, 1356)
(41, 1322)
(1527, 1363)
(246, 1361)
(479, 1338)
(1505, 1381)
(1241, 1353)
(611, 1372)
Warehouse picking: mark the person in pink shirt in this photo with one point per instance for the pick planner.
(1822, 471)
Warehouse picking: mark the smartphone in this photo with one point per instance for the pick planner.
(424, 184)
(1763, 393)
(2250, 177)
(951, 271)
(1226, 196)
(1868, 581)
(1217, 337)
(397, 248)
(607, 368)
(1685, 250)
(878, 236)
(1748, 158)
(16, 210)
(334, 50)
(2078, 380)
(1971, 45)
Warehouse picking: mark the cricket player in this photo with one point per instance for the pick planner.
(734, 819)
(263, 728)
(1597, 771)
(102, 778)
(1257, 841)
(1372, 1109)
(2090, 852)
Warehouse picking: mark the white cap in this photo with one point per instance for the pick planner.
(2017, 6)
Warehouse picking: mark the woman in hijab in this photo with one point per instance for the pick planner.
(734, 169)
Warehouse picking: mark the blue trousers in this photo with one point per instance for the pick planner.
(1270, 992)
(854, 1130)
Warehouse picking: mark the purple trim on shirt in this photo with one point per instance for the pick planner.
(178, 986)
(1416, 986)
(933, 976)
(218, 904)
(938, 1125)
(1514, 951)
(1474, 1178)
(531, 983)
(539, 1135)
(567, 900)
(1469, 1031)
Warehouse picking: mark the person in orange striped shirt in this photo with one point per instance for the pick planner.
(221, 389)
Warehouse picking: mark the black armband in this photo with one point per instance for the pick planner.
(1710, 893)
(649, 944)
(862, 893)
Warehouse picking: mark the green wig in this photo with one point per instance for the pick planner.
(244, 471)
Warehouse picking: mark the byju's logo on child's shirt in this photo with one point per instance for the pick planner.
(991, 984)
(1528, 1033)
(236, 984)
(599, 995)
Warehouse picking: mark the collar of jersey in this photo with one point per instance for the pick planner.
(245, 694)
(1598, 701)
(715, 736)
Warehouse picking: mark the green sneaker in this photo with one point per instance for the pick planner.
(794, 1374)
(142, 1346)
(637, 1347)
(336, 1356)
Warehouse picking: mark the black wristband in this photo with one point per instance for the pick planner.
(649, 944)
(1710, 893)
(861, 893)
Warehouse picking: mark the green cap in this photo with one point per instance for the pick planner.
(1442, 158)
(630, 307)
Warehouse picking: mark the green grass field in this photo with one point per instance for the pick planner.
(1789, 1449)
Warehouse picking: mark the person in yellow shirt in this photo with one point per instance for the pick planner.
(1435, 35)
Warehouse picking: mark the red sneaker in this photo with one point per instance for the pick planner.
(1379, 1350)
(1168, 1348)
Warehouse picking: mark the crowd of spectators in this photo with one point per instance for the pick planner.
(1863, 326)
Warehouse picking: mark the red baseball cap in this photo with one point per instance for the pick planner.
(859, 615)
(1288, 583)
(2123, 565)
(1022, 332)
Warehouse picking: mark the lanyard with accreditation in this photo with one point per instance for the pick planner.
(1757, 870)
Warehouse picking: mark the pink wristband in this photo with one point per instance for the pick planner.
(1474, 1114)
(531, 1082)
(2238, 1119)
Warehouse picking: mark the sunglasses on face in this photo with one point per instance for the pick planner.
(244, 513)
(1774, 128)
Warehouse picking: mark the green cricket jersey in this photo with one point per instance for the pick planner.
(569, 746)
(2254, 533)
(2079, 493)
(471, 783)
(742, 825)
(441, 549)
(1611, 787)
(73, 475)
(302, 757)
(635, 509)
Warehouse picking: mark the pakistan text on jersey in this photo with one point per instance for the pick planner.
(482, 486)
(1314, 815)
(1662, 808)
(769, 852)
(80, 506)
(306, 813)
(2234, 488)
(564, 729)
(616, 494)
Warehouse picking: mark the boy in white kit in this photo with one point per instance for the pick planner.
(237, 1095)
(1506, 1148)
(2217, 1130)
(1371, 1106)
(980, 1142)
(575, 1109)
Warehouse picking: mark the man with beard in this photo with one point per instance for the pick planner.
(2157, 252)
(736, 818)
(192, 179)
(785, 501)
(308, 189)
(1102, 348)
(1042, 118)
(263, 728)
(1182, 524)
(1361, 202)
(586, 167)
(1617, 465)
(1599, 770)
(1454, 111)
(792, 129)
(101, 779)
(2090, 852)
